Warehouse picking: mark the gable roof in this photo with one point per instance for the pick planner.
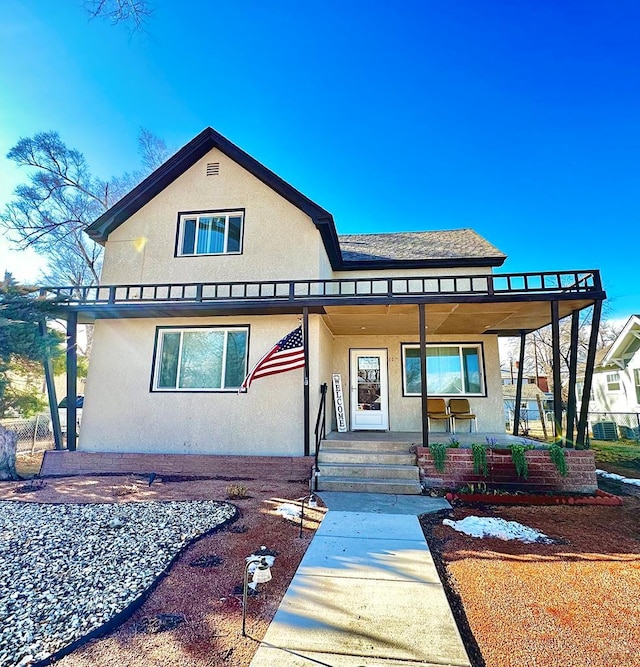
(186, 157)
(624, 346)
(529, 391)
(460, 247)
(456, 247)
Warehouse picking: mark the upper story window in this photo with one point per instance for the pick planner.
(613, 381)
(210, 233)
(452, 370)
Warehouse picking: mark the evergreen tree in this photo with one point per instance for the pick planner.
(22, 347)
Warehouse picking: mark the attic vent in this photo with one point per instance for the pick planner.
(213, 168)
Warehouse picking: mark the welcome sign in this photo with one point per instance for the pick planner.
(338, 400)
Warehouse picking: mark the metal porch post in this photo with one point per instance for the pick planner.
(573, 371)
(557, 389)
(305, 338)
(72, 379)
(51, 392)
(516, 411)
(588, 375)
(423, 373)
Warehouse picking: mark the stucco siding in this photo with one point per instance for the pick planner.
(405, 412)
(121, 414)
(279, 240)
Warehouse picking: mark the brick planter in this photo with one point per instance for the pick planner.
(271, 468)
(543, 475)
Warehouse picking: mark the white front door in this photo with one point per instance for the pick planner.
(369, 390)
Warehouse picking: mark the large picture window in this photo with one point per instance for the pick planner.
(452, 370)
(213, 233)
(200, 359)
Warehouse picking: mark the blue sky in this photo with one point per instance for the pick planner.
(518, 119)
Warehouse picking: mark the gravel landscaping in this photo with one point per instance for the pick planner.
(69, 569)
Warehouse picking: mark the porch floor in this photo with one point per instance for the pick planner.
(415, 437)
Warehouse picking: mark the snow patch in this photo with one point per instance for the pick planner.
(618, 478)
(477, 526)
(289, 512)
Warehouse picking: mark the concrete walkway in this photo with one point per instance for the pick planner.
(366, 593)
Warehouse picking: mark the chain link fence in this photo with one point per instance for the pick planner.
(602, 425)
(34, 434)
(615, 425)
(533, 424)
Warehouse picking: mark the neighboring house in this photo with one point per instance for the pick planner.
(534, 403)
(510, 376)
(616, 378)
(213, 258)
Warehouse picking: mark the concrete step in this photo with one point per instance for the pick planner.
(370, 471)
(330, 455)
(362, 485)
(368, 445)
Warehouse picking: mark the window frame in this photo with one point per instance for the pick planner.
(156, 366)
(636, 382)
(479, 346)
(613, 381)
(228, 212)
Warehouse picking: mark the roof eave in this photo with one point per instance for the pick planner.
(443, 263)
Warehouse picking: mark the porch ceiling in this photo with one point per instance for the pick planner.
(503, 318)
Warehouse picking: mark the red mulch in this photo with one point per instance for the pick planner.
(571, 604)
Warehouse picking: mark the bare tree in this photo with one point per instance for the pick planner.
(152, 149)
(133, 13)
(61, 198)
(538, 356)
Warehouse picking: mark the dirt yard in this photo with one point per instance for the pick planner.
(209, 598)
(574, 603)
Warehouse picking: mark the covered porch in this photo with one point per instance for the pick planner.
(418, 311)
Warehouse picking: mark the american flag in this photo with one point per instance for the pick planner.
(285, 355)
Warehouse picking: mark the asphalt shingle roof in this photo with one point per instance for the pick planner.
(529, 391)
(435, 245)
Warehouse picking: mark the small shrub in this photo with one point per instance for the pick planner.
(210, 560)
(125, 490)
(559, 458)
(236, 492)
(439, 453)
(520, 460)
(479, 453)
(238, 529)
(31, 486)
(454, 442)
(159, 623)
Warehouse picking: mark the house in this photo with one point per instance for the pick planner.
(615, 394)
(535, 408)
(213, 258)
